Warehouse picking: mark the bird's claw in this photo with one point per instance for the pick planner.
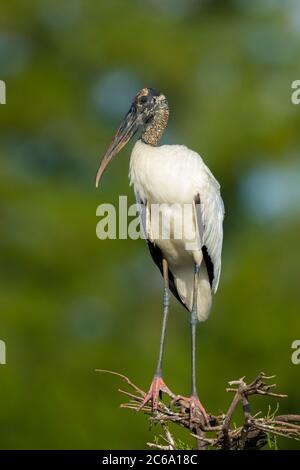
(196, 409)
(157, 386)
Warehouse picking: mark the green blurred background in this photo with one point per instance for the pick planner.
(71, 303)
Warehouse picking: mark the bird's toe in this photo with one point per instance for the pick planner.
(156, 388)
(195, 408)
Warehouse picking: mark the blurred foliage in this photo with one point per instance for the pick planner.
(71, 303)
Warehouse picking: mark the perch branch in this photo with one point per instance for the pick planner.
(253, 433)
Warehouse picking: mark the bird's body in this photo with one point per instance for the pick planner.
(174, 190)
(175, 178)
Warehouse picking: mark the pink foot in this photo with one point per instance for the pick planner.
(195, 407)
(157, 386)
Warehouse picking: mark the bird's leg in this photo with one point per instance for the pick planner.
(166, 303)
(158, 385)
(195, 406)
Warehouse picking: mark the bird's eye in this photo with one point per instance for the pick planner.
(143, 99)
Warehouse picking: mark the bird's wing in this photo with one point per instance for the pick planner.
(210, 215)
(143, 214)
(154, 249)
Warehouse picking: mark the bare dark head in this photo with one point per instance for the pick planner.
(148, 103)
(149, 113)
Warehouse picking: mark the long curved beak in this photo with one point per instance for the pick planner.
(127, 129)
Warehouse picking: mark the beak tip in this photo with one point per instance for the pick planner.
(98, 176)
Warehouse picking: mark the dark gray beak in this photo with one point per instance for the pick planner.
(127, 129)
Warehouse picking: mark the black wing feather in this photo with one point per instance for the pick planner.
(209, 265)
(206, 256)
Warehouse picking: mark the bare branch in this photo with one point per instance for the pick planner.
(254, 432)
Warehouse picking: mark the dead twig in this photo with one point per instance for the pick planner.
(254, 432)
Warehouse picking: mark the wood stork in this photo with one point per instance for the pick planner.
(172, 176)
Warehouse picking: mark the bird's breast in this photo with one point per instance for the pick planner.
(166, 174)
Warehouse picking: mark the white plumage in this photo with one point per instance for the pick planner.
(173, 175)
